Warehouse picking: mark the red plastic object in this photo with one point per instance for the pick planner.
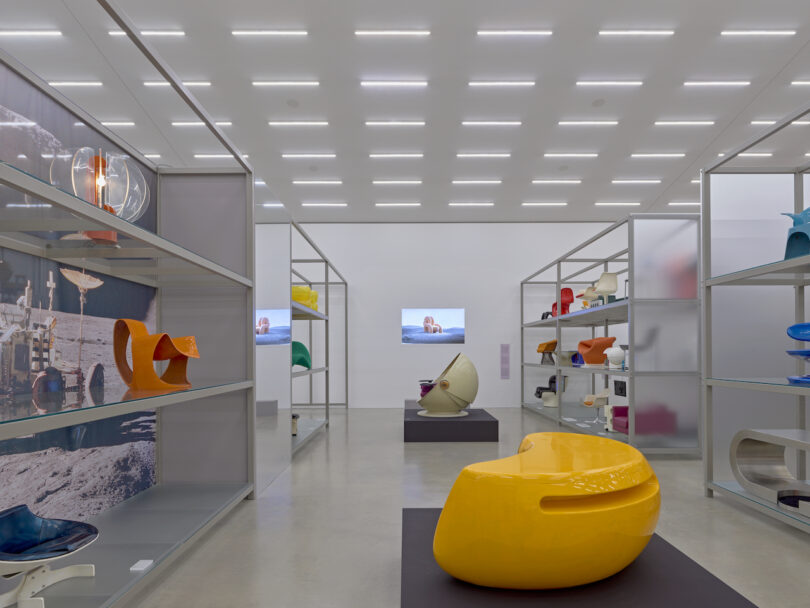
(652, 420)
(566, 297)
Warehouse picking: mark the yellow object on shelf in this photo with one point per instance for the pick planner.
(305, 295)
(566, 510)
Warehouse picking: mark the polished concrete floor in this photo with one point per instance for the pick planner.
(327, 531)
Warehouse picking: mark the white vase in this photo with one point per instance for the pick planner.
(615, 355)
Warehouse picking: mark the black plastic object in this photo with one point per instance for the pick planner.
(794, 500)
(620, 388)
(26, 537)
(551, 388)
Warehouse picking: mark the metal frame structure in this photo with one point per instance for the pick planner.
(307, 429)
(793, 272)
(156, 265)
(621, 312)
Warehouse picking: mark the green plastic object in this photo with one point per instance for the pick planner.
(300, 355)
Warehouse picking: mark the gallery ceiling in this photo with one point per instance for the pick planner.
(460, 110)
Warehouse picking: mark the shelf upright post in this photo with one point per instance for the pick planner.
(706, 430)
(326, 339)
(523, 345)
(799, 317)
(631, 326)
(558, 335)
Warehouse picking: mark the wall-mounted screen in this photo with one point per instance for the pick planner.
(272, 326)
(433, 326)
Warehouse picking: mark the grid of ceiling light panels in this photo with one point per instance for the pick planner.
(417, 34)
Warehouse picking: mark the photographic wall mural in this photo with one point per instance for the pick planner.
(433, 326)
(273, 326)
(56, 354)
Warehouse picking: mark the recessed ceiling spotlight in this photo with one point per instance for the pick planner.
(483, 155)
(716, 83)
(18, 123)
(758, 33)
(571, 154)
(557, 181)
(323, 204)
(636, 32)
(501, 83)
(470, 204)
(298, 123)
(396, 155)
(199, 123)
(29, 33)
(684, 123)
(588, 123)
(476, 182)
(276, 33)
(491, 123)
(164, 33)
(28, 205)
(75, 83)
(393, 33)
(756, 154)
(217, 155)
(285, 83)
(609, 83)
(317, 182)
(397, 204)
(395, 123)
(394, 83)
(259, 182)
(187, 83)
(801, 83)
(635, 181)
(117, 123)
(308, 155)
(543, 204)
(397, 182)
(695, 181)
(22, 156)
(515, 33)
(658, 155)
(685, 203)
(266, 205)
(616, 204)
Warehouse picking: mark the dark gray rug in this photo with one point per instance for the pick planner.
(661, 577)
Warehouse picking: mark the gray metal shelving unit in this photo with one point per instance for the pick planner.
(328, 285)
(205, 446)
(654, 310)
(792, 274)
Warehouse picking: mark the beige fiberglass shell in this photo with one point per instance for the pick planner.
(455, 389)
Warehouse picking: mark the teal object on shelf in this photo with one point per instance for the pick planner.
(798, 241)
(301, 356)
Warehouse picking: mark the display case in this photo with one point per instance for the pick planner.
(650, 398)
(324, 331)
(90, 231)
(755, 268)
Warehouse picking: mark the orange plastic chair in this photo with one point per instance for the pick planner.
(147, 348)
(593, 350)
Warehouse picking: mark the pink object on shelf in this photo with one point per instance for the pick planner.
(652, 420)
(426, 388)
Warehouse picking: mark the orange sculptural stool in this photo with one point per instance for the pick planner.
(593, 350)
(148, 348)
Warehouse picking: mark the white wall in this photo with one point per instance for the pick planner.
(473, 266)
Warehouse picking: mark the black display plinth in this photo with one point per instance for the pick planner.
(477, 425)
(662, 577)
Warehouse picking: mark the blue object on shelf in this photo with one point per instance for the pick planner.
(27, 537)
(804, 380)
(799, 331)
(799, 354)
(798, 241)
(577, 360)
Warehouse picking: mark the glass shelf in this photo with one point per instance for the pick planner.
(768, 385)
(305, 313)
(40, 219)
(612, 314)
(734, 491)
(795, 271)
(23, 414)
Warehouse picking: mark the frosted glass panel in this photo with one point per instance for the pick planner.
(666, 336)
(665, 256)
(667, 411)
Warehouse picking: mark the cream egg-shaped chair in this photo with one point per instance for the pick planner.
(452, 391)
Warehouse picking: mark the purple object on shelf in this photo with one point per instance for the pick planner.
(426, 388)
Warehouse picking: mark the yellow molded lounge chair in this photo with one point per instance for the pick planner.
(566, 510)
